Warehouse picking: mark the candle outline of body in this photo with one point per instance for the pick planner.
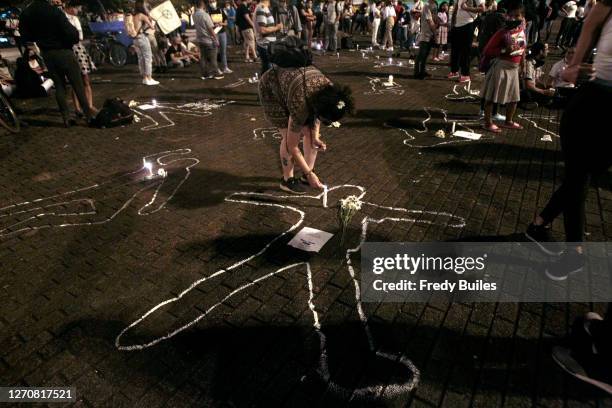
(325, 195)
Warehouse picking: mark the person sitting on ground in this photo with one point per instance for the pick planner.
(176, 55)
(502, 83)
(554, 76)
(190, 49)
(7, 83)
(297, 101)
(534, 91)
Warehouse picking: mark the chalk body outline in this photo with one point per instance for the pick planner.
(403, 215)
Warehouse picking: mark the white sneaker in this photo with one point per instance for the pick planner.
(227, 71)
(499, 117)
(150, 82)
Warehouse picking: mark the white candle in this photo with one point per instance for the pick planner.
(390, 79)
(149, 167)
(453, 128)
(154, 102)
(469, 86)
(338, 55)
(324, 196)
(357, 47)
(390, 60)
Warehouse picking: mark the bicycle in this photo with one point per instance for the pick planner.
(106, 48)
(8, 117)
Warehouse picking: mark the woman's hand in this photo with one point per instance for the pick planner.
(577, 73)
(314, 181)
(318, 144)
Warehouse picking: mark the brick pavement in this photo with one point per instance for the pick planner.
(67, 292)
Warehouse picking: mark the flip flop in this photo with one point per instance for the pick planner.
(492, 128)
(512, 125)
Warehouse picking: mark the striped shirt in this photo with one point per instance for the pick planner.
(264, 18)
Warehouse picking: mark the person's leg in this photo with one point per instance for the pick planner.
(214, 66)
(488, 112)
(263, 54)
(510, 111)
(57, 75)
(203, 60)
(465, 49)
(454, 53)
(561, 32)
(223, 49)
(310, 153)
(75, 101)
(140, 56)
(88, 90)
(375, 25)
(72, 71)
(335, 37)
(285, 157)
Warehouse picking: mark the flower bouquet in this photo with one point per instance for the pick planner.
(348, 208)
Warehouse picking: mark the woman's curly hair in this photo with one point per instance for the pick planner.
(332, 103)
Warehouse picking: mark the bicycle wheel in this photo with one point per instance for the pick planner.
(117, 55)
(96, 54)
(8, 118)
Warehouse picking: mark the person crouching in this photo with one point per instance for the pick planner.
(297, 101)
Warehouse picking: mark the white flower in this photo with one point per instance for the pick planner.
(440, 133)
(350, 203)
(340, 104)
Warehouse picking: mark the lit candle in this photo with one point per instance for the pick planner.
(390, 61)
(391, 79)
(357, 47)
(453, 128)
(324, 196)
(149, 167)
(338, 55)
(154, 102)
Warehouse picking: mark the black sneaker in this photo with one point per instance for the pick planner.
(541, 236)
(293, 186)
(584, 366)
(568, 263)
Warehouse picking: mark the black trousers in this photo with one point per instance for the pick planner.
(461, 48)
(586, 152)
(63, 64)
(421, 60)
(565, 31)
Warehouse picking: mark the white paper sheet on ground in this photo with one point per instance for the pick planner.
(467, 135)
(310, 239)
(146, 106)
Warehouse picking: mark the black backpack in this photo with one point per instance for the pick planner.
(290, 52)
(114, 113)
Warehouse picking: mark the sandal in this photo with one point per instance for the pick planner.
(512, 125)
(492, 128)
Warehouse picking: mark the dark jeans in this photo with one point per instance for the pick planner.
(262, 51)
(63, 64)
(461, 48)
(564, 35)
(586, 151)
(420, 62)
